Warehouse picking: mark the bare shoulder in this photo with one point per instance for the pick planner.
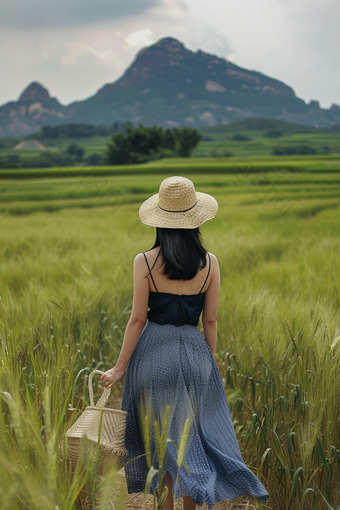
(150, 256)
(214, 260)
(213, 257)
(214, 269)
(139, 257)
(139, 260)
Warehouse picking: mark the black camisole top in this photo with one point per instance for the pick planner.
(176, 309)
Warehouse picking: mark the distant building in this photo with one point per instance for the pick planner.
(33, 145)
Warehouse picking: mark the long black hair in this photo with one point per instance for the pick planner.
(182, 251)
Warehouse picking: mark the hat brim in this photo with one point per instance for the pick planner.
(152, 215)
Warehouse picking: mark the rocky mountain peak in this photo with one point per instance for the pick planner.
(166, 52)
(169, 43)
(35, 92)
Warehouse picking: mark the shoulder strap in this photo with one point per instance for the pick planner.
(155, 260)
(207, 275)
(147, 263)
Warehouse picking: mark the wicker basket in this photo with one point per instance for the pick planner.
(111, 451)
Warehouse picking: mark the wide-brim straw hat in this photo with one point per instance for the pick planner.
(178, 205)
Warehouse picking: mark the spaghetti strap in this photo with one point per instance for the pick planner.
(155, 259)
(205, 281)
(147, 263)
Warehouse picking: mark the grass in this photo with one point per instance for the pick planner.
(66, 289)
(217, 164)
(281, 189)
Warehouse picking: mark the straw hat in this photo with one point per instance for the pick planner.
(177, 205)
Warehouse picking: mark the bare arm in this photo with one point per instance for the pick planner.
(210, 307)
(135, 324)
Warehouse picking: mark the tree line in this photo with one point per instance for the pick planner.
(74, 130)
(73, 155)
(136, 145)
(131, 145)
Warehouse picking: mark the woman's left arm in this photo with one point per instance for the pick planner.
(135, 324)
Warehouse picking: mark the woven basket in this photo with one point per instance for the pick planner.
(111, 451)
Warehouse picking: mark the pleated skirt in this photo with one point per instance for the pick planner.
(174, 366)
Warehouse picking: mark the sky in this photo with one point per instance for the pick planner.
(74, 47)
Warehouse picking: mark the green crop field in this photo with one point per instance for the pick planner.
(68, 239)
(216, 141)
(258, 145)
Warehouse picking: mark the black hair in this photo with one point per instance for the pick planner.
(182, 251)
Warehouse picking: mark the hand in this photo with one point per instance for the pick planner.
(112, 376)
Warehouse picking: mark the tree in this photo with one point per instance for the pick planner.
(75, 151)
(239, 137)
(272, 133)
(94, 159)
(10, 161)
(74, 130)
(142, 144)
(290, 150)
(184, 141)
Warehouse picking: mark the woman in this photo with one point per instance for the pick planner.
(168, 361)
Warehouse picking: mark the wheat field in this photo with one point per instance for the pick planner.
(66, 294)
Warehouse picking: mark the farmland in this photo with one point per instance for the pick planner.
(68, 239)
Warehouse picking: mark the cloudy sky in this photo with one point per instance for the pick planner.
(73, 47)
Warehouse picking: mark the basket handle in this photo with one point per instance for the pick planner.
(106, 393)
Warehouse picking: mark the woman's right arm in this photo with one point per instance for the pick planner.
(210, 307)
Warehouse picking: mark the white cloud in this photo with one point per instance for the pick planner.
(295, 41)
(76, 50)
(201, 35)
(170, 8)
(139, 38)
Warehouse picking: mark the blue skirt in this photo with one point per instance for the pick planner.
(174, 365)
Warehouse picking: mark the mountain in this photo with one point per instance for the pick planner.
(34, 108)
(170, 85)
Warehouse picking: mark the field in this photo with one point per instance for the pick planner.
(258, 145)
(68, 239)
(216, 141)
